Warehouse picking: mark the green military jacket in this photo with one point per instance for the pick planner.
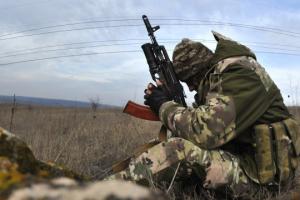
(235, 95)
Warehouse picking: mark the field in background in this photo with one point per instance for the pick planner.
(295, 110)
(78, 138)
(81, 139)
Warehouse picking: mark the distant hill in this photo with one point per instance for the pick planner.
(48, 102)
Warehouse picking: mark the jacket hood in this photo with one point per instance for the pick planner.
(228, 48)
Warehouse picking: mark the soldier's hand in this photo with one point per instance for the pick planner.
(155, 97)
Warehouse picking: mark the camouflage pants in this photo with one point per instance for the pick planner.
(217, 169)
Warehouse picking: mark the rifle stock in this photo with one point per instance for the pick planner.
(140, 111)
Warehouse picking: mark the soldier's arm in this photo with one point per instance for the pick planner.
(241, 99)
(209, 125)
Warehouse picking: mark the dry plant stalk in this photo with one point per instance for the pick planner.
(13, 108)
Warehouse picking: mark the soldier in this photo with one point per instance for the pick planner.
(239, 133)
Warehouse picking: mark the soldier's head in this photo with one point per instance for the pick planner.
(191, 60)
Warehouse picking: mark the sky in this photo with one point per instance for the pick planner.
(41, 39)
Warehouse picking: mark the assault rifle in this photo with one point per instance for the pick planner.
(161, 68)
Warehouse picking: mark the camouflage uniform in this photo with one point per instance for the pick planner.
(160, 162)
(240, 132)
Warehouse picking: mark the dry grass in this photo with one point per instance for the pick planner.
(74, 138)
(295, 110)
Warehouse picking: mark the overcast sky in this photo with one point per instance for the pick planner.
(265, 26)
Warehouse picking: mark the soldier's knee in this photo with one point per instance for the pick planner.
(180, 141)
(224, 169)
(188, 151)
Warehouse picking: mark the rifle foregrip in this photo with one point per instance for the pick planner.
(140, 111)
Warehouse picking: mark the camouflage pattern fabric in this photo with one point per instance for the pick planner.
(235, 94)
(190, 58)
(209, 126)
(248, 62)
(221, 169)
(261, 72)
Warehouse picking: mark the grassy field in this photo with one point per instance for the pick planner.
(79, 138)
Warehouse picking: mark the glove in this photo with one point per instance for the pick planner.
(156, 98)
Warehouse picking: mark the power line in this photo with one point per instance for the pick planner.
(236, 25)
(72, 48)
(259, 28)
(140, 39)
(276, 48)
(113, 52)
(269, 44)
(74, 29)
(69, 44)
(67, 56)
(108, 45)
(208, 22)
(283, 53)
(67, 24)
(83, 47)
(232, 24)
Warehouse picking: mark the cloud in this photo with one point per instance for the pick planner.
(118, 77)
